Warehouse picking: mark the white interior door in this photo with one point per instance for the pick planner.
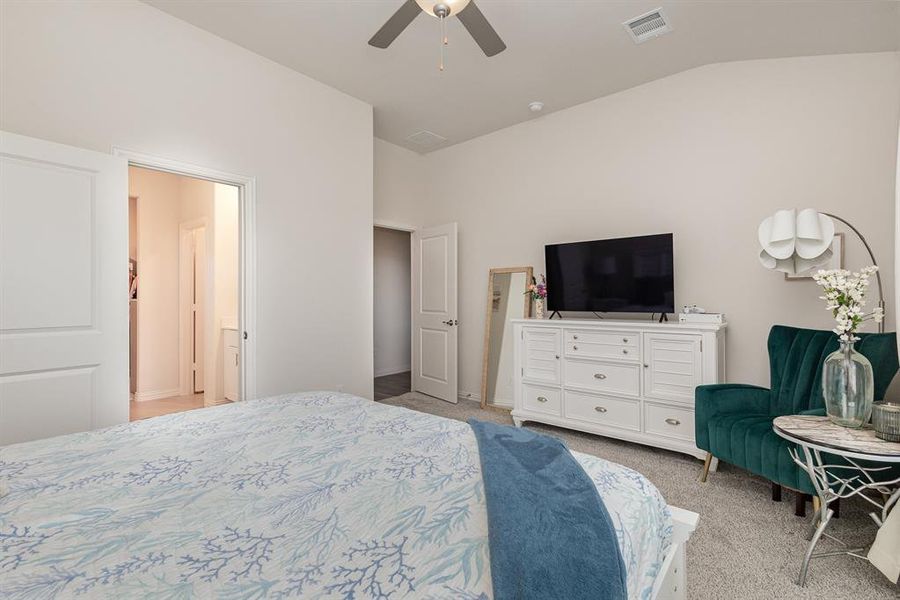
(198, 309)
(434, 317)
(63, 289)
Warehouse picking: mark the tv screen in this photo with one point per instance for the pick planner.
(633, 275)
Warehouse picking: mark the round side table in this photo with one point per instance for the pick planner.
(817, 435)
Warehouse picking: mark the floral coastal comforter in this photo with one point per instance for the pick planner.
(314, 495)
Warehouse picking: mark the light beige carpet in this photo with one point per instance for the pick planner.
(746, 546)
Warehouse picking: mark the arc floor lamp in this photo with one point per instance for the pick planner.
(796, 242)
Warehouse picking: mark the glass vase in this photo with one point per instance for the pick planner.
(848, 385)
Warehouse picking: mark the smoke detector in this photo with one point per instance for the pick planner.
(426, 139)
(648, 26)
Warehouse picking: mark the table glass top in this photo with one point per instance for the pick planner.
(821, 431)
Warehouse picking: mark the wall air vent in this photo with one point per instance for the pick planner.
(648, 26)
(426, 139)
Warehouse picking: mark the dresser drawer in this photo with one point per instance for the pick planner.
(602, 344)
(615, 412)
(540, 399)
(607, 377)
(669, 421)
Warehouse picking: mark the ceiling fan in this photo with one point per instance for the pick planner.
(466, 10)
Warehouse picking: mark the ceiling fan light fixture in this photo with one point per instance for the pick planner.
(453, 7)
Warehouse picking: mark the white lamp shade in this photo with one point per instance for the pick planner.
(795, 242)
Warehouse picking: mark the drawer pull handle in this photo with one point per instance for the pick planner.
(574, 337)
(625, 351)
(600, 409)
(574, 347)
(673, 421)
(599, 376)
(557, 357)
(541, 399)
(646, 366)
(625, 340)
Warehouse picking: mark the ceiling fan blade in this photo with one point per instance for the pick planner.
(479, 28)
(396, 24)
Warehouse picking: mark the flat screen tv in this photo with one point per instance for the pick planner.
(628, 275)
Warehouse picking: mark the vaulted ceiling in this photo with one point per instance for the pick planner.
(560, 52)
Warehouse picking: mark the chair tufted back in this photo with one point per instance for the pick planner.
(796, 357)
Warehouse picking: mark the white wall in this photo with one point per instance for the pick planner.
(392, 301)
(706, 154)
(105, 74)
(400, 186)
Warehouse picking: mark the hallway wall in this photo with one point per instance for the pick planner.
(157, 263)
(392, 301)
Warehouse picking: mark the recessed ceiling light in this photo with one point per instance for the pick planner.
(536, 107)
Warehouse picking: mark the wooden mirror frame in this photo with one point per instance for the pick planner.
(529, 275)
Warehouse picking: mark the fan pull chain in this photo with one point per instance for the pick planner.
(443, 41)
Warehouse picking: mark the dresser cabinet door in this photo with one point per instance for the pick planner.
(672, 366)
(541, 354)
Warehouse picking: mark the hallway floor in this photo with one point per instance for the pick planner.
(392, 385)
(165, 406)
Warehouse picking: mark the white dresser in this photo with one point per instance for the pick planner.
(632, 380)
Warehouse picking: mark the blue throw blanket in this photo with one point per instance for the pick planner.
(550, 535)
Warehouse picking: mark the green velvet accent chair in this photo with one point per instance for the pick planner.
(734, 421)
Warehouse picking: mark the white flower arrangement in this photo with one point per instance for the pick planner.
(845, 297)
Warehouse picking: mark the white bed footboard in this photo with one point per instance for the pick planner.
(671, 584)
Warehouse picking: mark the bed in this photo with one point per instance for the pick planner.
(311, 495)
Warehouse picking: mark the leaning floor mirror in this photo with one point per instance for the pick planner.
(506, 300)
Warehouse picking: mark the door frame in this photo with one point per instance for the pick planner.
(410, 229)
(247, 248)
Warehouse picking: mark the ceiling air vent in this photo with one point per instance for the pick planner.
(648, 26)
(426, 139)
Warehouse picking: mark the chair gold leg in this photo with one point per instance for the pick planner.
(706, 464)
(817, 504)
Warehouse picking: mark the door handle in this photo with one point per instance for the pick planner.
(450, 322)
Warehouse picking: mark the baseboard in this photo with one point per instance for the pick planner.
(157, 395)
(463, 395)
(392, 371)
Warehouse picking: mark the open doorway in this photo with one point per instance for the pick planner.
(184, 262)
(392, 331)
